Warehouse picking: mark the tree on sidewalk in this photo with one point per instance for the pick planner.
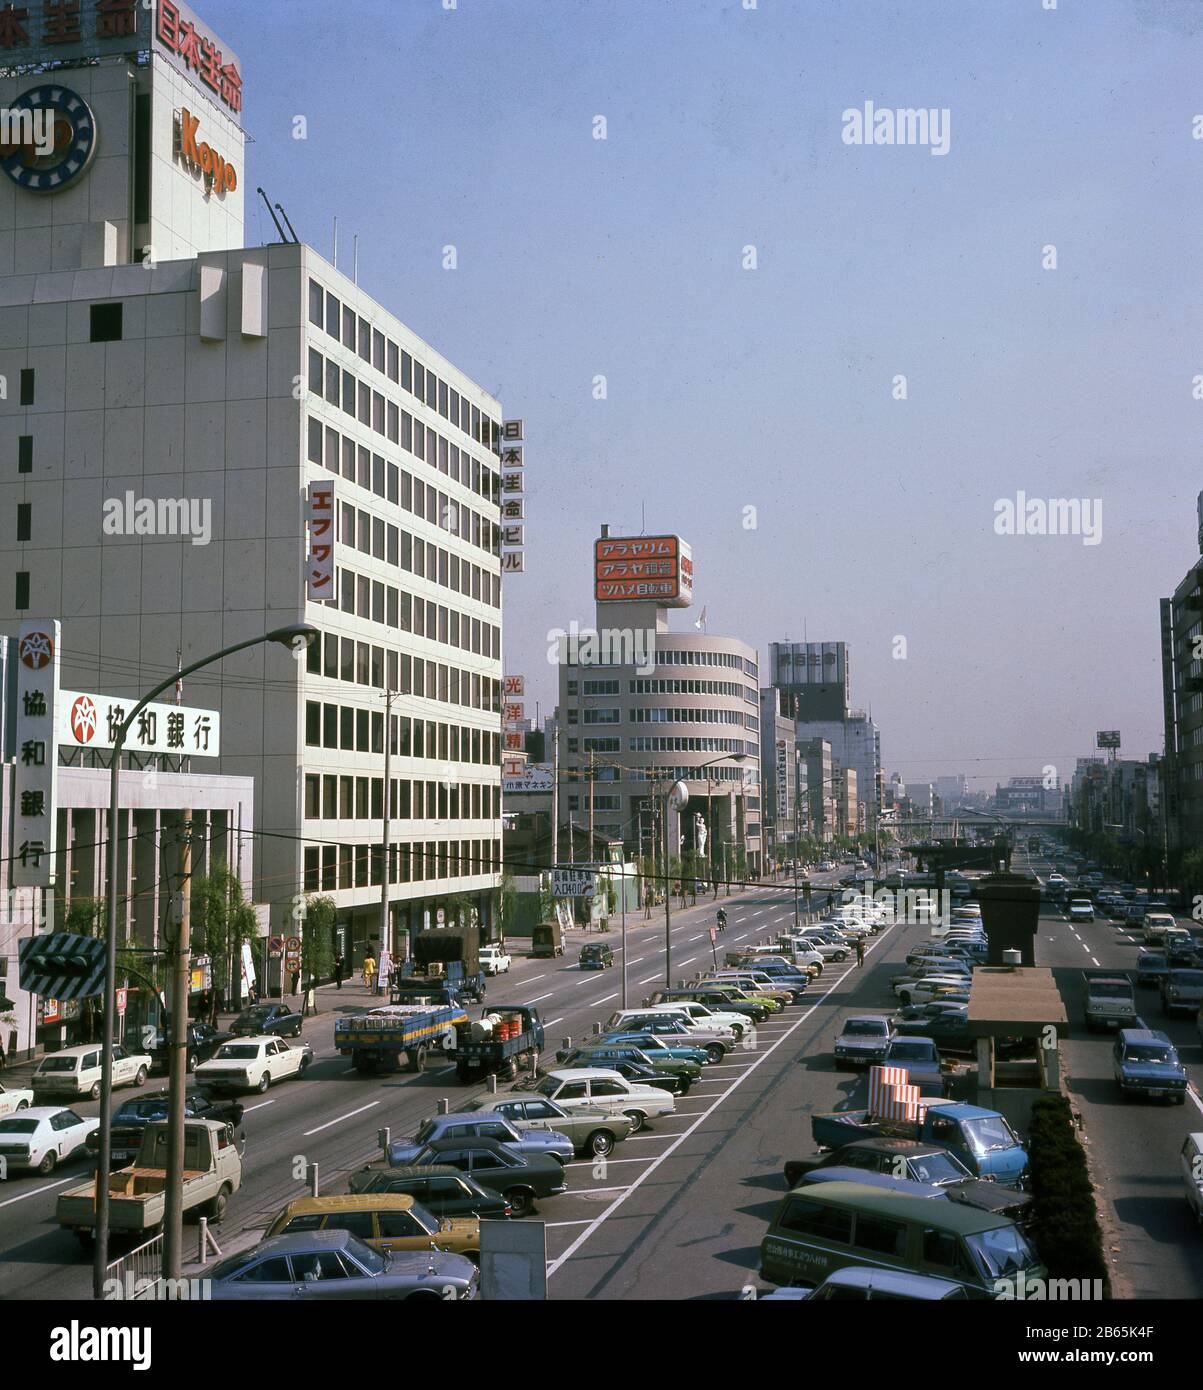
(221, 922)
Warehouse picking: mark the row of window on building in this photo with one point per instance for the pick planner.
(329, 797)
(365, 663)
(354, 730)
(340, 454)
(666, 715)
(672, 656)
(382, 603)
(329, 868)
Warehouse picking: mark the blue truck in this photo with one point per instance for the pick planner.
(505, 1036)
(444, 964)
(982, 1139)
(378, 1039)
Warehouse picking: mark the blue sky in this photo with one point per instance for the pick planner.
(770, 388)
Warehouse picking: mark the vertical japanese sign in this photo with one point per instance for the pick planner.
(37, 754)
(782, 774)
(513, 739)
(513, 488)
(319, 566)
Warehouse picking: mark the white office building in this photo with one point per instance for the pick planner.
(173, 400)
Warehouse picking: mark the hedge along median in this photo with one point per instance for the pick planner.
(1067, 1229)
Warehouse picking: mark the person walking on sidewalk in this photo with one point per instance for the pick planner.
(296, 980)
(369, 969)
(339, 966)
(860, 950)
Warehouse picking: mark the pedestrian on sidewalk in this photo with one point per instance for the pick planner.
(339, 967)
(860, 950)
(296, 980)
(369, 970)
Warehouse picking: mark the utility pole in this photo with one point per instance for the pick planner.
(590, 850)
(386, 937)
(668, 897)
(177, 1060)
(555, 795)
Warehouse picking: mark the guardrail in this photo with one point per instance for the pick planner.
(139, 1273)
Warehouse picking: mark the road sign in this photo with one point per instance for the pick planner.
(275, 946)
(62, 966)
(122, 997)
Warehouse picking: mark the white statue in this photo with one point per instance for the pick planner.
(699, 832)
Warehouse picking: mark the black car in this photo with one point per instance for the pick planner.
(519, 1178)
(444, 1191)
(203, 1042)
(267, 1018)
(135, 1115)
(595, 957)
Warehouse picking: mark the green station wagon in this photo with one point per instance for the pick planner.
(848, 1224)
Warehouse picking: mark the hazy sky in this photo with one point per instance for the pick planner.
(730, 388)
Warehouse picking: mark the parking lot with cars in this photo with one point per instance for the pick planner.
(674, 1198)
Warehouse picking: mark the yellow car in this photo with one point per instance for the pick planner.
(385, 1220)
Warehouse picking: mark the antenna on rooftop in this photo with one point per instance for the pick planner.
(284, 215)
(274, 218)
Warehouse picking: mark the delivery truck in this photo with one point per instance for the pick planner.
(503, 1038)
(380, 1039)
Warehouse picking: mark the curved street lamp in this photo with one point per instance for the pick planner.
(297, 637)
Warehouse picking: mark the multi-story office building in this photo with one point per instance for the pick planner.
(848, 809)
(778, 772)
(181, 408)
(1182, 701)
(656, 707)
(855, 743)
(953, 790)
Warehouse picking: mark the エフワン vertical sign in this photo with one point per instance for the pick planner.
(37, 754)
(319, 566)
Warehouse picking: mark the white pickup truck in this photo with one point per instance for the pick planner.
(137, 1195)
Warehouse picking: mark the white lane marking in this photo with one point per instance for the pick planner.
(597, 1222)
(349, 1115)
(537, 997)
(550, 1224)
(551, 1022)
(648, 979)
(37, 1191)
(1093, 961)
(606, 998)
(698, 937)
(636, 960)
(1190, 1091)
(247, 1110)
(591, 1162)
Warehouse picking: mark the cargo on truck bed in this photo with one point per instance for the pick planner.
(378, 1039)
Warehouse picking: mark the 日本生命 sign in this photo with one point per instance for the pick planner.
(37, 673)
(513, 487)
(40, 31)
(194, 50)
(93, 721)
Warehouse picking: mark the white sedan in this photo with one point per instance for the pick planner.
(253, 1064)
(494, 960)
(11, 1101)
(41, 1137)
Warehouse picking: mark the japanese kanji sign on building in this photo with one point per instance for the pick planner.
(35, 31)
(37, 669)
(643, 568)
(513, 488)
(195, 50)
(92, 721)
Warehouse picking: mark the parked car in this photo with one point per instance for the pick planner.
(203, 1041)
(481, 1125)
(41, 1137)
(920, 991)
(1182, 990)
(1146, 1064)
(387, 1221)
(602, 1088)
(597, 1052)
(494, 960)
(596, 957)
(591, 1131)
(948, 1028)
(133, 1117)
(520, 1178)
(1192, 1175)
(336, 1264)
(676, 1028)
(696, 1015)
(75, 1071)
(624, 1061)
(921, 1058)
(444, 1191)
(13, 1100)
(253, 1064)
(279, 1020)
(863, 1041)
(664, 1044)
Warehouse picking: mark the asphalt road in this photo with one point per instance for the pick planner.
(331, 1117)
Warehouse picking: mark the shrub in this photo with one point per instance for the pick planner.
(1066, 1221)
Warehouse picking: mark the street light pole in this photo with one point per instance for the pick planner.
(297, 636)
